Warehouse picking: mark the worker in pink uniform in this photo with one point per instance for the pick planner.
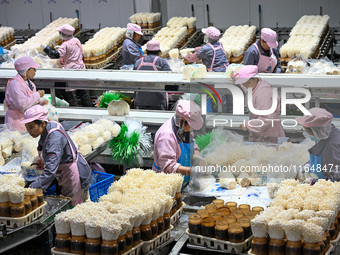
(324, 156)
(58, 155)
(264, 53)
(174, 145)
(70, 54)
(21, 93)
(260, 128)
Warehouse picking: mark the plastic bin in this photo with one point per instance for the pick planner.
(51, 191)
(103, 182)
(100, 183)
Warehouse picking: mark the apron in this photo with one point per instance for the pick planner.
(213, 60)
(153, 64)
(187, 150)
(315, 163)
(266, 64)
(68, 173)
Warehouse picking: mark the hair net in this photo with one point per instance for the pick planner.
(129, 33)
(211, 40)
(177, 120)
(23, 72)
(65, 36)
(322, 132)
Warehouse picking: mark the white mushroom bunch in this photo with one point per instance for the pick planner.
(94, 135)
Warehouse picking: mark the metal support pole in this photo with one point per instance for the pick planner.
(53, 97)
(204, 112)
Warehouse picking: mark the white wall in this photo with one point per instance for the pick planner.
(223, 13)
(18, 14)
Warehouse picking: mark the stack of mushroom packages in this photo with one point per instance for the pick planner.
(146, 20)
(15, 200)
(302, 219)
(175, 35)
(6, 36)
(236, 40)
(137, 208)
(224, 221)
(305, 37)
(103, 45)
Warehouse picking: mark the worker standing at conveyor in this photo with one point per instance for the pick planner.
(58, 155)
(212, 53)
(70, 54)
(21, 93)
(152, 62)
(264, 53)
(174, 144)
(325, 154)
(261, 128)
(132, 51)
(214, 58)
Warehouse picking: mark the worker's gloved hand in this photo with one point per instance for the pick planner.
(43, 46)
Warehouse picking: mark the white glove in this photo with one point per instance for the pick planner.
(43, 45)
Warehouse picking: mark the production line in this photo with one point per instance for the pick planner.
(236, 188)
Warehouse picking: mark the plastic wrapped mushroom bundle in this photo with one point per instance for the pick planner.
(194, 72)
(118, 108)
(312, 233)
(293, 230)
(62, 223)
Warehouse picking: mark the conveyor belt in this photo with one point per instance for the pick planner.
(34, 229)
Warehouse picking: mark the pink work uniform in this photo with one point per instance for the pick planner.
(71, 54)
(167, 150)
(262, 100)
(19, 97)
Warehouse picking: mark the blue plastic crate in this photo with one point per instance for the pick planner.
(51, 191)
(103, 182)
